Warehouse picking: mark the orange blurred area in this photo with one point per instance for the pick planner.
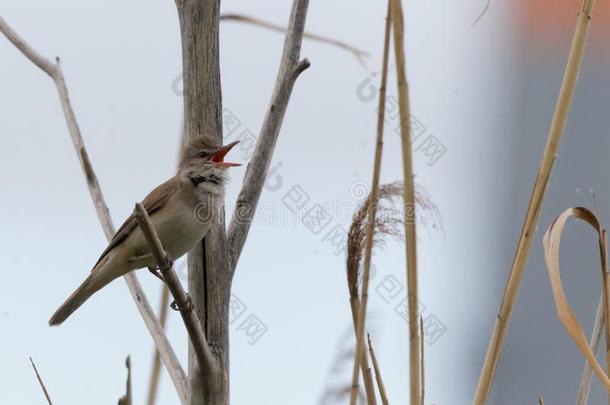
(549, 20)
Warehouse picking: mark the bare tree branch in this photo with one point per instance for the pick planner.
(359, 54)
(155, 373)
(290, 68)
(207, 362)
(54, 71)
(44, 388)
(209, 282)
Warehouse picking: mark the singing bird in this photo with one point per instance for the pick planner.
(181, 210)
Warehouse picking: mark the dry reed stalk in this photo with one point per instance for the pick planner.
(367, 376)
(528, 231)
(565, 313)
(386, 225)
(44, 388)
(372, 212)
(422, 377)
(378, 378)
(155, 373)
(540, 401)
(606, 297)
(587, 373)
(409, 201)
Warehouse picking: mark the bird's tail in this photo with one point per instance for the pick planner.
(100, 276)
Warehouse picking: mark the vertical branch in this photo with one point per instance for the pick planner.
(528, 230)
(54, 71)
(372, 213)
(208, 285)
(409, 201)
(211, 265)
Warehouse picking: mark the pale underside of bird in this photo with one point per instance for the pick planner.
(181, 210)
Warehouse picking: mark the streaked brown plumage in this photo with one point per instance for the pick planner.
(181, 210)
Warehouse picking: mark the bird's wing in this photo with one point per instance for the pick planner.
(152, 203)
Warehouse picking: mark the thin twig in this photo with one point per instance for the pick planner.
(127, 398)
(290, 68)
(54, 71)
(372, 213)
(359, 54)
(483, 12)
(378, 378)
(528, 231)
(207, 362)
(540, 400)
(44, 388)
(155, 373)
(587, 373)
(409, 201)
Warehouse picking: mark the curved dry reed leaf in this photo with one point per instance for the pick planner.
(551, 241)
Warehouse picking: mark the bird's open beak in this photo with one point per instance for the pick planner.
(219, 155)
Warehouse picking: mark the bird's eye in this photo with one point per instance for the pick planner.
(204, 154)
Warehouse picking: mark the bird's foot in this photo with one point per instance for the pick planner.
(155, 271)
(186, 307)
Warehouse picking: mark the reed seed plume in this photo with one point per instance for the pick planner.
(389, 224)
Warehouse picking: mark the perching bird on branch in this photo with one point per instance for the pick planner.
(181, 210)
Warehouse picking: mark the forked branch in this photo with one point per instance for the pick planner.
(291, 67)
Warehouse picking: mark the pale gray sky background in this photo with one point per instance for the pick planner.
(120, 60)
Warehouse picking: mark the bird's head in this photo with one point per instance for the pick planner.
(202, 161)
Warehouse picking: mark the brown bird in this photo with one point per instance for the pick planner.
(181, 210)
